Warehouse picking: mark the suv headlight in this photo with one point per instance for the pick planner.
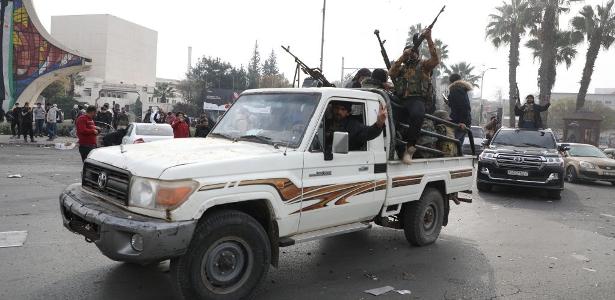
(586, 165)
(159, 194)
(486, 156)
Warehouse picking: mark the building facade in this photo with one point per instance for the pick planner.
(123, 57)
(605, 97)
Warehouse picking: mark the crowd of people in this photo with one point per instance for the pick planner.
(39, 121)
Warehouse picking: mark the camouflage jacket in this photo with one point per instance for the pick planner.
(407, 82)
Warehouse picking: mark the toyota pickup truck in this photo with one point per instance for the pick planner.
(268, 176)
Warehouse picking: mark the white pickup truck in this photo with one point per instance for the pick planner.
(265, 178)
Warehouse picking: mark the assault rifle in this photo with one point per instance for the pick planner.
(315, 73)
(385, 56)
(418, 40)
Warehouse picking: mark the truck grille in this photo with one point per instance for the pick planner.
(110, 182)
(520, 162)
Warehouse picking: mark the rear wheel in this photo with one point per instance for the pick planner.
(571, 174)
(228, 257)
(484, 187)
(422, 220)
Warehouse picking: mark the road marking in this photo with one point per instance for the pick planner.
(606, 215)
(588, 269)
(12, 238)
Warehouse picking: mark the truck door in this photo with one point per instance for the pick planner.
(341, 190)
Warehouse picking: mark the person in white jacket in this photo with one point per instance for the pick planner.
(52, 116)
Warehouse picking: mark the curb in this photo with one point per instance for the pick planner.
(45, 144)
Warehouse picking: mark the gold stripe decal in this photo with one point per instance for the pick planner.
(212, 187)
(407, 180)
(461, 174)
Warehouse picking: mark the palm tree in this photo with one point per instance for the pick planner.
(598, 27)
(565, 52)
(164, 91)
(548, 34)
(465, 70)
(507, 26)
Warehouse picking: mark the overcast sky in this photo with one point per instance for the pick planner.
(228, 29)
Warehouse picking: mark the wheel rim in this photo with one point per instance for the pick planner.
(570, 176)
(226, 265)
(429, 219)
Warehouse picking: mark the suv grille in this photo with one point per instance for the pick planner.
(107, 181)
(520, 161)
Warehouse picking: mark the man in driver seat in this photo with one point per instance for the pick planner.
(358, 134)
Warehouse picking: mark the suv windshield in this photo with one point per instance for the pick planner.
(524, 138)
(585, 151)
(269, 118)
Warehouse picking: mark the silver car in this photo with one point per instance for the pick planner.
(138, 133)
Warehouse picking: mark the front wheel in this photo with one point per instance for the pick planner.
(228, 257)
(571, 174)
(422, 220)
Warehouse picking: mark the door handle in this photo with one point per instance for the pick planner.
(363, 169)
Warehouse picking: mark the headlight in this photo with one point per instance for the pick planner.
(586, 165)
(555, 161)
(159, 194)
(486, 156)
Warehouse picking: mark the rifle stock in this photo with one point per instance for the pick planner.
(315, 73)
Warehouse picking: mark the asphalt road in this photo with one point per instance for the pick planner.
(507, 244)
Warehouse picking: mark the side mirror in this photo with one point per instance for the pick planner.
(485, 143)
(564, 148)
(340, 142)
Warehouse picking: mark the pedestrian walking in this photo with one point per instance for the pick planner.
(39, 119)
(27, 118)
(74, 113)
(52, 120)
(86, 132)
(13, 117)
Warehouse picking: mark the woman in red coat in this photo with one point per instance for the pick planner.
(180, 127)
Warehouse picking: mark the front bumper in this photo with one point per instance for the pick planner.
(112, 228)
(549, 178)
(596, 175)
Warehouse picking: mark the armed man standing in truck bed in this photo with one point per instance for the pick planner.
(411, 76)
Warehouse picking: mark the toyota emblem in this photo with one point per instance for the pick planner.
(102, 180)
(518, 159)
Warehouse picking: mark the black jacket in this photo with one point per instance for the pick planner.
(26, 117)
(115, 138)
(358, 134)
(521, 112)
(104, 117)
(201, 131)
(459, 102)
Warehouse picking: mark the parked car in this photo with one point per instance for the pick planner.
(586, 162)
(479, 138)
(524, 159)
(610, 153)
(138, 133)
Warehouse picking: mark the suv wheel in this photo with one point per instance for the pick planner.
(571, 174)
(228, 257)
(422, 220)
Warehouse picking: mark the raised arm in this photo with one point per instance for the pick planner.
(434, 60)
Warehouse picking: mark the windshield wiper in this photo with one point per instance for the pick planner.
(256, 138)
(224, 136)
(533, 145)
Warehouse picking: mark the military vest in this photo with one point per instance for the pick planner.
(413, 82)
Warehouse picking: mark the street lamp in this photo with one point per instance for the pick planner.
(482, 81)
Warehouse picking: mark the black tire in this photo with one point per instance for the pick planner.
(554, 194)
(571, 174)
(484, 187)
(233, 239)
(422, 220)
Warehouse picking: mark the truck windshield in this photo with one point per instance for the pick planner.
(524, 138)
(277, 119)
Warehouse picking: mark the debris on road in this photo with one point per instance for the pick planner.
(588, 269)
(581, 257)
(370, 276)
(380, 291)
(607, 215)
(403, 292)
(12, 238)
(65, 146)
(15, 176)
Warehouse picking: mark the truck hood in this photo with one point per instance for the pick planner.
(153, 159)
(523, 151)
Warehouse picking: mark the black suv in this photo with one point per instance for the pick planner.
(522, 158)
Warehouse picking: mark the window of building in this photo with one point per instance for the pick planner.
(608, 102)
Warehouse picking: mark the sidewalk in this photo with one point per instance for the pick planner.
(6, 140)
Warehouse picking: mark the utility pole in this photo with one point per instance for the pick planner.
(322, 41)
(342, 77)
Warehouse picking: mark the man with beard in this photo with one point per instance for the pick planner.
(529, 113)
(412, 77)
(358, 134)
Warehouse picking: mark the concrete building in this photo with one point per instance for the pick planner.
(601, 96)
(123, 57)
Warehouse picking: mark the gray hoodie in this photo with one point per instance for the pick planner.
(39, 113)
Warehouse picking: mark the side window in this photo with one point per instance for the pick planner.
(334, 120)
